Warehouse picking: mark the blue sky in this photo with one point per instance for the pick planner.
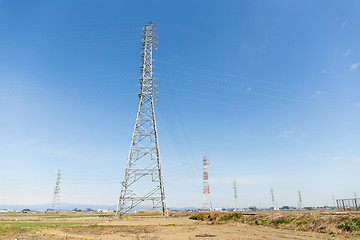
(268, 90)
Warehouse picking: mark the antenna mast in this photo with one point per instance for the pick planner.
(143, 169)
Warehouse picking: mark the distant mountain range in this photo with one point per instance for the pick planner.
(71, 206)
(63, 206)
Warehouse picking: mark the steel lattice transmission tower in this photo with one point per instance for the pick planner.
(300, 200)
(235, 195)
(143, 179)
(272, 197)
(207, 205)
(56, 199)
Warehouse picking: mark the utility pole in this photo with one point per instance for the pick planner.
(300, 201)
(207, 205)
(143, 179)
(272, 198)
(235, 195)
(56, 199)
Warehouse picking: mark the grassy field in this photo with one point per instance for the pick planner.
(205, 225)
(14, 225)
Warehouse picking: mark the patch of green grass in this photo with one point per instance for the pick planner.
(53, 215)
(260, 221)
(282, 221)
(301, 222)
(353, 225)
(70, 216)
(23, 214)
(5, 225)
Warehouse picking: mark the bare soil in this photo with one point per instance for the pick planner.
(156, 227)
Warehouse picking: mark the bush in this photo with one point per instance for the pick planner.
(282, 221)
(260, 221)
(211, 216)
(231, 216)
(202, 216)
(353, 225)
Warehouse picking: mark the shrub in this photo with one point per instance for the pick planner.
(353, 225)
(231, 216)
(202, 216)
(260, 221)
(282, 221)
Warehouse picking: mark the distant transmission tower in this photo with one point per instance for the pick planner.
(300, 201)
(235, 195)
(56, 200)
(143, 169)
(207, 205)
(272, 197)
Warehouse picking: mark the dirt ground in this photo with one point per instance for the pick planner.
(144, 227)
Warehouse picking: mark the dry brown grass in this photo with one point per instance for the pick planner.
(330, 222)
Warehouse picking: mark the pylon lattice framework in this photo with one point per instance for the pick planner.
(235, 195)
(143, 161)
(56, 199)
(207, 205)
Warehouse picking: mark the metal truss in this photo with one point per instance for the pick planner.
(143, 164)
(207, 204)
(56, 199)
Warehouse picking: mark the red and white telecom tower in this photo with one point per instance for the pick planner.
(207, 205)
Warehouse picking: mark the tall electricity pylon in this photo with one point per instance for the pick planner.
(56, 199)
(235, 195)
(272, 197)
(143, 179)
(300, 200)
(207, 205)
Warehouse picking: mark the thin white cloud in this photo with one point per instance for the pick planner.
(347, 53)
(357, 104)
(344, 23)
(338, 158)
(328, 71)
(347, 158)
(355, 66)
(285, 135)
(318, 93)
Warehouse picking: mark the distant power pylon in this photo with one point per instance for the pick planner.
(143, 179)
(300, 200)
(56, 199)
(207, 205)
(235, 195)
(272, 197)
